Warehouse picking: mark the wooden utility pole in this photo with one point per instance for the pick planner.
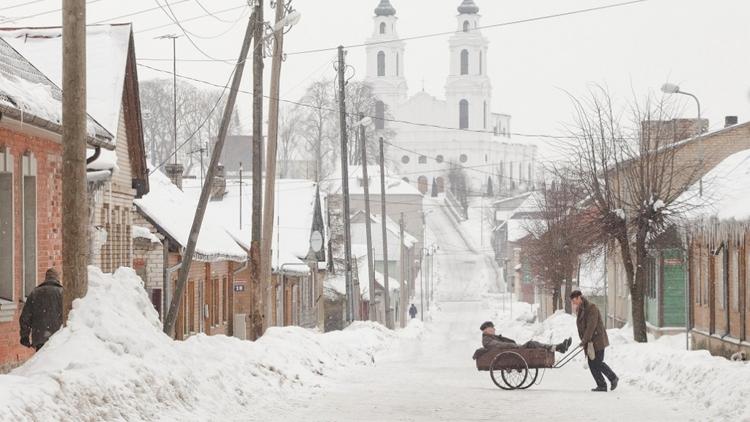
(271, 148)
(200, 211)
(402, 292)
(351, 311)
(257, 320)
(368, 228)
(74, 205)
(384, 230)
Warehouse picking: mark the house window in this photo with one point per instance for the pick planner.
(422, 159)
(463, 114)
(6, 225)
(381, 63)
(720, 281)
(481, 64)
(190, 306)
(735, 279)
(439, 159)
(29, 223)
(705, 275)
(466, 26)
(382, 27)
(379, 115)
(405, 159)
(464, 62)
(216, 305)
(397, 64)
(463, 158)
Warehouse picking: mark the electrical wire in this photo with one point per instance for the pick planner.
(21, 5)
(137, 12)
(46, 12)
(496, 25)
(190, 19)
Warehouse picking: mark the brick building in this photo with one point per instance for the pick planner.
(693, 156)
(30, 189)
(718, 233)
(164, 219)
(113, 100)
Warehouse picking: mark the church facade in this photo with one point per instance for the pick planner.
(458, 130)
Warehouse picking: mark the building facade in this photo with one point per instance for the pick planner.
(433, 135)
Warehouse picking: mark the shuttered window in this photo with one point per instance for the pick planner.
(6, 225)
(29, 223)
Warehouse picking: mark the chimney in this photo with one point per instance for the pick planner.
(730, 121)
(174, 172)
(219, 185)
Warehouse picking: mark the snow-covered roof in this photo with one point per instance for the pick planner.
(106, 57)
(294, 211)
(390, 225)
(30, 95)
(140, 232)
(519, 228)
(726, 188)
(172, 212)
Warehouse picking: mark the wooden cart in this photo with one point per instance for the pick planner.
(518, 369)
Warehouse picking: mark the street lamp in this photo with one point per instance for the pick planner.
(669, 89)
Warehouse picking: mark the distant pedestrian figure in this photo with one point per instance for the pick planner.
(413, 311)
(42, 313)
(593, 340)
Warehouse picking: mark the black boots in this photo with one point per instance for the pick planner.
(563, 347)
(614, 384)
(600, 389)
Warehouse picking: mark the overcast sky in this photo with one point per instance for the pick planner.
(702, 45)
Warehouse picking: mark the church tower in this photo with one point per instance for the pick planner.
(468, 90)
(385, 59)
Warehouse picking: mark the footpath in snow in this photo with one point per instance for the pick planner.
(112, 362)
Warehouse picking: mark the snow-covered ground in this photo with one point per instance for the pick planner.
(113, 363)
(434, 379)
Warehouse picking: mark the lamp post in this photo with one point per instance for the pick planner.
(670, 89)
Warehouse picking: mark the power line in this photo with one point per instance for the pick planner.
(47, 12)
(173, 16)
(137, 12)
(153, 28)
(21, 4)
(497, 25)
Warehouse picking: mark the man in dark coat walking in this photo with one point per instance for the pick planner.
(413, 311)
(42, 313)
(593, 340)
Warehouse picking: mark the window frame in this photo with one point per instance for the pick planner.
(7, 167)
(463, 114)
(381, 64)
(29, 170)
(464, 62)
(383, 28)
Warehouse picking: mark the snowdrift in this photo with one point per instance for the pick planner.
(662, 366)
(112, 362)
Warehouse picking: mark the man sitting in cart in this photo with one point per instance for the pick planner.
(492, 341)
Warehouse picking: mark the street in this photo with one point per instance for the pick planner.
(434, 379)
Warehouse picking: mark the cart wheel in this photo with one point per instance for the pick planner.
(512, 368)
(531, 379)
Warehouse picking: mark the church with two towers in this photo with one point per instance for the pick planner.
(459, 128)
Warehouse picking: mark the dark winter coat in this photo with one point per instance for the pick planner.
(492, 342)
(590, 326)
(413, 311)
(42, 313)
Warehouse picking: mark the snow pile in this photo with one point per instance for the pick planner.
(661, 366)
(112, 362)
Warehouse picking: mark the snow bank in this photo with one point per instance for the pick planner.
(112, 362)
(661, 366)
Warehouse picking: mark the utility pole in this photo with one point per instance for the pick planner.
(368, 228)
(240, 195)
(403, 293)
(271, 150)
(384, 230)
(74, 205)
(350, 302)
(200, 211)
(257, 288)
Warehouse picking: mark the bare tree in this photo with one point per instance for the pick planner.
(289, 137)
(458, 185)
(318, 127)
(195, 119)
(625, 162)
(558, 237)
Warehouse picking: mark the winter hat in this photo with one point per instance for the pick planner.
(51, 274)
(485, 325)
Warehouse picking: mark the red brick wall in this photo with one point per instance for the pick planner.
(48, 154)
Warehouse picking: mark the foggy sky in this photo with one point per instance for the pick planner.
(701, 45)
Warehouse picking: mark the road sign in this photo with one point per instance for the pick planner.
(316, 241)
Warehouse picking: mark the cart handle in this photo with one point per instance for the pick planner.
(569, 357)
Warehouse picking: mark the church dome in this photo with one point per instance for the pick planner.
(468, 7)
(385, 9)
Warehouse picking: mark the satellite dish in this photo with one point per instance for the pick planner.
(316, 241)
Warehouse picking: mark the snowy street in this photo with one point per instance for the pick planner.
(434, 378)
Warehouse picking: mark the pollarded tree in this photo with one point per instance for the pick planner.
(627, 163)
